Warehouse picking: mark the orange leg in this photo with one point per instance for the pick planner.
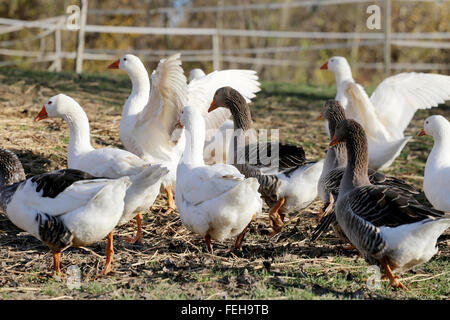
(275, 217)
(170, 200)
(349, 246)
(138, 236)
(393, 279)
(57, 263)
(208, 243)
(109, 254)
(240, 237)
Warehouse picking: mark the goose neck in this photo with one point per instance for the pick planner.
(240, 112)
(195, 141)
(343, 73)
(440, 153)
(79, 141)
(356, 172)
(140, 92)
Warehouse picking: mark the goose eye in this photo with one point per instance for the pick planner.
(49, 102)
(124, 59)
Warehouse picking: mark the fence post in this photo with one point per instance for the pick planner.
(216, 52)
(80, 45)
(58, 65)
(387, 37)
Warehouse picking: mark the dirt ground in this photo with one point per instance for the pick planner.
(171, 262)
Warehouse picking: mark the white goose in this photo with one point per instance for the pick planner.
(387, 113)
(106, 162)
(437, 169)
(215, 201)
(62, 208)
(153, 113)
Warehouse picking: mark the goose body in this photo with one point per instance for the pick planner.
(106, 162)
(437, 169)
(386, 114)
(62, 208)
(215, 201)
(290, 184)
(387, 227)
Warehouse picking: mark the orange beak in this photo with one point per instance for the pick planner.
(41, 115)
(178, 125)
(324, 66)
(320, 117)
(422, 133)
(114, 65)
(212, 106)
(334, 141)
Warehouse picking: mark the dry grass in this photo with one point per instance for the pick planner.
(171, 262)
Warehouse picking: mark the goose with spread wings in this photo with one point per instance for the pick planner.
(147, 126)
(388, 111)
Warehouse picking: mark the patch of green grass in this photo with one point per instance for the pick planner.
(96, 288)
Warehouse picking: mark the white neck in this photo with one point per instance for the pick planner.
(342, 73)
(440, 154)
(79, 141)
(140, 91)
(195, 141)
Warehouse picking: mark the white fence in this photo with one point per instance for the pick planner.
(54, 26)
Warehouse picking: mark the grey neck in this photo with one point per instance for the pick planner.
(355, 174)
(240, 111)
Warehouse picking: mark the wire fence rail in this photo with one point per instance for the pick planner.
(55, 25)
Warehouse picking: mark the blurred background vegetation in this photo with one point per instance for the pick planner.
(407, 16)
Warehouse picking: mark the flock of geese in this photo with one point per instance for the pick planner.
(174, 134)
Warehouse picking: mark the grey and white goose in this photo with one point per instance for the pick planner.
(387, 227)
(333, 170)
(62, 208)
(289, 182)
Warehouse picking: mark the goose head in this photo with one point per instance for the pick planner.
(339, 66)
(349, 131)
(435, 126)
(335, 63)
(196, 74)
(128, 63)
(56, 107)
(231, 99)
(190, 117)
(332, 112)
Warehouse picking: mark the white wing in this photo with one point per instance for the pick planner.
(208, 182)
(167, 96)
(76, 195)
(361, 109)
(201, 92)
(111, 163)
(397, 98)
